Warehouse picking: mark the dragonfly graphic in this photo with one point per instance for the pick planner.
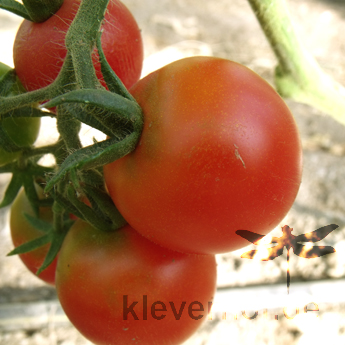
(289, 241)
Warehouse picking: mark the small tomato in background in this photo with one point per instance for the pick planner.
(39, 49)
(22, 231)
(23, 131)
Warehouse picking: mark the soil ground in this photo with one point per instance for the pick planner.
(173, 29)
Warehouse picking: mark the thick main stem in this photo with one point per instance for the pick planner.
(80, 40)
(298, 75)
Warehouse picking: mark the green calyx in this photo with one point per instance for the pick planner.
(36, 11)
(76, 182)
(41, 10)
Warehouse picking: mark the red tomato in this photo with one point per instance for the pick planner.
(22, 232)
(39, 49)
(117, 287)
(219, 152)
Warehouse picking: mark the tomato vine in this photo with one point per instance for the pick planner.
(78, 97)
(77, 92)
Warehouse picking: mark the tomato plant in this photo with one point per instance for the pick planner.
(23, 131)
(22, 231)
(39, 49)
(117, 287)
(219, 152)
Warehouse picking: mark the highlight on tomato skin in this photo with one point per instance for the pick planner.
(220, 151)
(22, 231)
(39, 49)
(117, 287)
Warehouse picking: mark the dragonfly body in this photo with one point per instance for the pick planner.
(288, 241)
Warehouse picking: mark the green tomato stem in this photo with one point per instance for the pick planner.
(298, 75)
(41, 151)
(58, 217)
(80, 40)
(78, 75)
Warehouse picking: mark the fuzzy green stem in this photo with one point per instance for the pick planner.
(58, 217)
(298, 75)
(63, 83)
(41, 151)
(68, 128)
(80, 40)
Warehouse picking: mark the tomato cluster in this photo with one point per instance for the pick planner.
(219, 152)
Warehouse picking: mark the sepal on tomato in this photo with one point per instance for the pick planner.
(16, 8)
(12, 190)
(37, 237)
(23, 178)
(41, 10)
(112, 81)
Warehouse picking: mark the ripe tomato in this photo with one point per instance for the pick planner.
(219, 152)
(39, 49)
(22, 130)
(117, 287)
(22, 232)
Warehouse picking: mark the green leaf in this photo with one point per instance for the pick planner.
(46, 202)
(113, 82)
(86, 116)
(66, 204)
(94, 156)
(39, 170)
(7, 82)
(31, 245)
(89, 214)
(3, 69)
(7, 168)
(106, 206)
(15, 7)
(6, 143)
(41, 10)
(54, 249)
(39, 224)
(12, 190)
(26, 112)
(103, 99)
(31, 193)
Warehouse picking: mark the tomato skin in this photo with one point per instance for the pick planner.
(219, 152)
(97, 270)
(22, 232)
(39, 49)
